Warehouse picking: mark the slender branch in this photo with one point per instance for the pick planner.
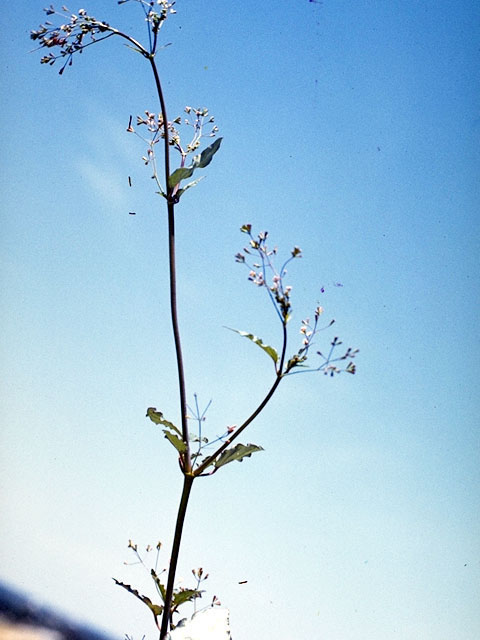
(270, 294)
(257, 411)
(116, 32)
(182, 509)
(149, 27)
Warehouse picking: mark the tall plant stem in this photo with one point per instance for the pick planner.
(182, 509)
(185, 456)
(186, 459)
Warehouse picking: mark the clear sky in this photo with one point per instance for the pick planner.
(351, 129)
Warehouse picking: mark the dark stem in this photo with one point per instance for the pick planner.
(186, 463)
(186, 459)
(163, 109)
(182, 509)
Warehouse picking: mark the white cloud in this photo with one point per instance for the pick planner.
(104, 180)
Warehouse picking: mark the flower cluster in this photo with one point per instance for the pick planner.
(156, 129)
(198, 119)
(155, 18)
(331, 369)
(328, 366)
(199, 576)
(308, 330)
(274, 282)
(265, 274)
(69, 37)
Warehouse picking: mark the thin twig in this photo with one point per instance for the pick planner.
(252, 417)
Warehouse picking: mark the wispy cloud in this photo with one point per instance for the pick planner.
(104, 180)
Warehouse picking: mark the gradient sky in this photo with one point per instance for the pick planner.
(351, 129)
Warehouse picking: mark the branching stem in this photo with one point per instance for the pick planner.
(257, 411)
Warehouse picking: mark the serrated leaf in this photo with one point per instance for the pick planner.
(157, 417)
(177, 442)
(180, 174)
(186, 595)
(160, 586)
(156, 609)
(238, 452)
(203, 159)
(258, 341)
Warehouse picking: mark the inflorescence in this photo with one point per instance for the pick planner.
(265, 274)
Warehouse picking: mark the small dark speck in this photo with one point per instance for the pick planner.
(132, 213)
(378, 149)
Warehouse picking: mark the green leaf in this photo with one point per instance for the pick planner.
(194, 183)
(180, 174)
(200, 161)
(258, 341)
(160, 586)
(238, 452)
(185, 595)
(177, 442)
(156, 609)
(157, 417)
(203, 159)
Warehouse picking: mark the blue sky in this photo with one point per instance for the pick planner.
(350, 129)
